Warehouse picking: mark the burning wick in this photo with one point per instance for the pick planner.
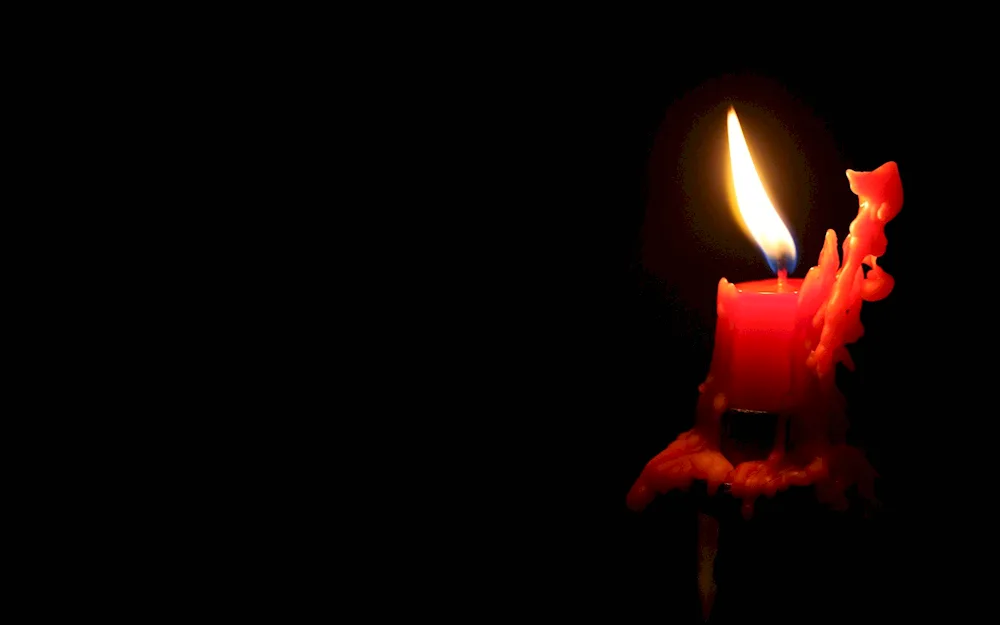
(782, 264)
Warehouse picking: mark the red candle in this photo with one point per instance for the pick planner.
(752, 363)
(753, 343)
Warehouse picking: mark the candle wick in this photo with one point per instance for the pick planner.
(782, 276)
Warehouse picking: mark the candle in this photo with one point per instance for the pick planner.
(752, 362)
(777, 344)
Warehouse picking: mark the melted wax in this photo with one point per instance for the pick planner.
(828, 318)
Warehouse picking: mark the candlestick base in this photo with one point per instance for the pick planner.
(795, 561)
(790, 559)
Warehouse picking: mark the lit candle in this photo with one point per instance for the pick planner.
(751, 365)
(777, 344)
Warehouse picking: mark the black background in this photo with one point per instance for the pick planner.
(628, 151)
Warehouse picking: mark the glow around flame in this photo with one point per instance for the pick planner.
(755, 207)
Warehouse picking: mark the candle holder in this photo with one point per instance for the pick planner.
(788, 560)
(795, 561)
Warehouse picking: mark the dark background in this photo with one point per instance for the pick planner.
(633, 149)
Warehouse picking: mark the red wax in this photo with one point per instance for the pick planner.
(753, 338)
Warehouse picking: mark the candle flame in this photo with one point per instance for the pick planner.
(756, 210)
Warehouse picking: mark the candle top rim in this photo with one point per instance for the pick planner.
(770, 287)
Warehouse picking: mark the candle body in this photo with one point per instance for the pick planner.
(752, 360)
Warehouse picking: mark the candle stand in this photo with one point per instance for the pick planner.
(796, 560)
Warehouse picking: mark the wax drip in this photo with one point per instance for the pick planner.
(828, 319)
